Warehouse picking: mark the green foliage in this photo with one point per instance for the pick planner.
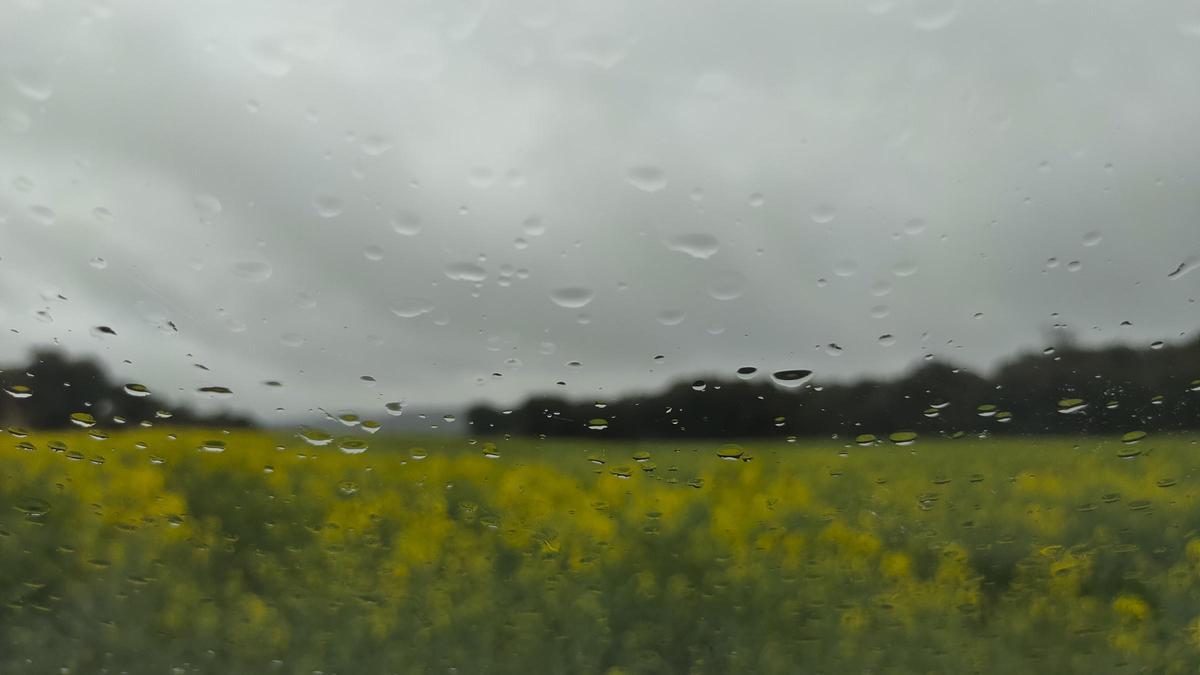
(962, 556)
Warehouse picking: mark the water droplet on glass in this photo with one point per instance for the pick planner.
(1074, 266)
(727, 286)
(903, 437)
(252, 270)
(213, 446)
(83, 419)
(823, 213)
(216, 392)
(373, 253)
(18, 391)
(409, 308)
(406, 223)
(572, 297)
(930, 15)
(756, 200)
(904, 269)
(845, 268)
(791, 378)
(352, 446)
(394, 408)
(328, 206)
(98, 263)
(646, 177)
(887, 339)
(465, 271)
(730, 452)
(670, 317)
(1092, 238)
(137, 390)
(746, 372)
(696, 244)
(376, 144)
(32, 83)
(291, 339)
(1184, 267)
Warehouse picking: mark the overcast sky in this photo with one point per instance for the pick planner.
(429, 193)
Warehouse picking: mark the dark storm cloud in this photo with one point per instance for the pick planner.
(732, 184)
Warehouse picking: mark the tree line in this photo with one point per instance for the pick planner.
(1066, 389)
(50, 387)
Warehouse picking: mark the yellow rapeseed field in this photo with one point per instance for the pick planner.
(158, 551)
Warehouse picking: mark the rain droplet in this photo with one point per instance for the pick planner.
(670, 317)
(465, 271)
(791, 378)
(696, 244)
(727, 286)
(137, 390)
(373, 253)
(408, 308)
(394, 408)
(314, 437)
(83, 419)
(328, 206)
(1092, 238)
(1133, 437)
(756, 200)
(376, 144)
(887, 339)
(33, 83)
(42, 215)
(730, 452)
(1184, 267)
(291, 339)
(18, 391)
(903, 437)
(213, 445)
(406, 223)
(845, 268)
(646, 177)
(252, 270)
(746, 372)
(1074, 266)
(572, 297)
(823, 213)
(930, 15)
(352, 446)
(216, 392)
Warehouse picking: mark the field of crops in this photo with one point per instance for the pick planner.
(149, 553)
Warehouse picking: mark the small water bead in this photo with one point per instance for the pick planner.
(98, 263)
(291, 340)
(823, 213)
(83, 419)
(394, 408)
(699, 245)
(137, 390)
(845, 268)
(533, 226)
(328, 206)
(879, 311)
(252, 270)
(42, 214)
(213, 446)
(646, 177)
(904, 268)
(1092, 238)
(903, 437)
(376, 144)
(410, 308)
(352, 446)
(670, 317)
(1133, 437)
(746, 372)
(1157, 344)
(791, 378)
(756, 200)
(216, 391)
(373, 253)
(572, 297)
(18, 391)
(465, 271)
(1074, 266)
(887, 339)
(406, 223)
(727, 286)
(731, 452)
